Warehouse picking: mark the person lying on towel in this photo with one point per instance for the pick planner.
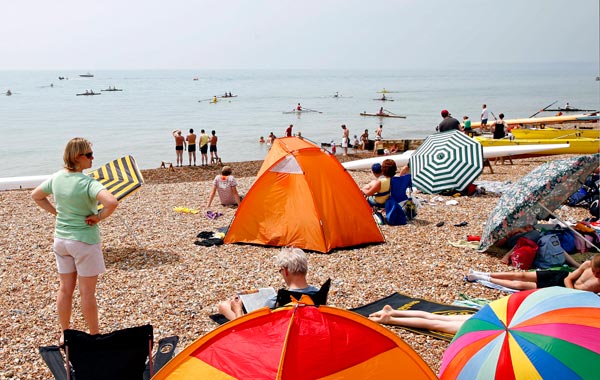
(293, 267)
(586, 277)
(417, 319)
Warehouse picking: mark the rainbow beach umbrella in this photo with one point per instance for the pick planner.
(550, 333)
(299, 341)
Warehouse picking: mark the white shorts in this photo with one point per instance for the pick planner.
(76, 256)
(344, 142)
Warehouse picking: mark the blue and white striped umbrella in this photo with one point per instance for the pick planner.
(446, 161)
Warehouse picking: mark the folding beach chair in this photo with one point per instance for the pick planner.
(124, 354)
(284, 296)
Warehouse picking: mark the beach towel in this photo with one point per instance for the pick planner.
(404, 302)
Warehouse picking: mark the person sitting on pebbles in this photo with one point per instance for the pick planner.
(293, 267)
(226, 185)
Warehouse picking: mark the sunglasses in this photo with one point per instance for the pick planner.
(89, 155)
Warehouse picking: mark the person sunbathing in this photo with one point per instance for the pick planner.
(420, 319)
(293, 267)
(586, 277)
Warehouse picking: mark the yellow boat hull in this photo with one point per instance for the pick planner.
(552, 133)
(576, 146)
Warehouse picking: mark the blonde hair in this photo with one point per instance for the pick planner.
(75, 148)
(293, 259)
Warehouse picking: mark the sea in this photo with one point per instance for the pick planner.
(44, 112)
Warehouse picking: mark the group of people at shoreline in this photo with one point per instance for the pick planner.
(206, 144)
(499, 128)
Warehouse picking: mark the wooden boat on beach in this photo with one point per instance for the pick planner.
(552, 133)
(536, 121)
(580, 145)
(382, 115)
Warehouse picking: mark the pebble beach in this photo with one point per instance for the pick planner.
(161, 277)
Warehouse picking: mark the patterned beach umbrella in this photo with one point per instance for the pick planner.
(536, 195)
(120, 177)
(446, 161)
(298, 342)
(550, 333)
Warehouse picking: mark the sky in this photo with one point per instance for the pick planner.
(286, 34)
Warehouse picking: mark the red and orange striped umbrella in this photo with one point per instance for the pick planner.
(299, 341)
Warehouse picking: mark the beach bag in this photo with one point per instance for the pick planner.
(379, 219)
(567, 241)
(410, 208)
(550, 253)
(524, 253)
(394, 214)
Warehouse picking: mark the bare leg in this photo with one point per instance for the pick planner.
(420, 319)
(231, 309)
(64, 300)
(506, 258)
(89, 307)
(515, 280)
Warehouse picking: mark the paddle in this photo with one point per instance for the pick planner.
(543, 109)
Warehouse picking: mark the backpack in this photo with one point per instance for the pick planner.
(393, 213)
(523, 254)
(550, 253)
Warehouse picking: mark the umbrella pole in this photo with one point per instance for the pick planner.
(133, 234)
(589, 243)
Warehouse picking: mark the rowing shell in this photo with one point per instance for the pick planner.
(93, 93)
(488, 152)
(385, 100)
(382, 115)
(299, 112)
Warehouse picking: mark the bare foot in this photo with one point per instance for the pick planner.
(382, 316)
(236, 306)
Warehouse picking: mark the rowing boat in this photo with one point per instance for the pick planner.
(580, 118)
(113, 89)
(87, 75)
(580, 145)
(567, 110)
(382, 115)
(384, 100)
(89, 94)
(228, 96)
(302, 111)
(552, 133)
(488, 152)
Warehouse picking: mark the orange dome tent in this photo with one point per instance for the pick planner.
(299, 341)
(303, 197)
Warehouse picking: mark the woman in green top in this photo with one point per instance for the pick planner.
(76, 234)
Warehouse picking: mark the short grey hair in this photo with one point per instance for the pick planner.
(293, 259)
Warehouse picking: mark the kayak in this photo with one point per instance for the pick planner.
(488, 152)
(382, 115)
(580, 145)
(552, 133)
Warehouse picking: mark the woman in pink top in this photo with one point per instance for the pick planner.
(226, 186)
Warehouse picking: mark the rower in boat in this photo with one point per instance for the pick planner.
(214, 99)
(8, 92)
(299, 108)
(381, 113)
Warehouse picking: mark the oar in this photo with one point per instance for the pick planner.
(308, 109)
(388, 111)
(204, 100)
(543, 109)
